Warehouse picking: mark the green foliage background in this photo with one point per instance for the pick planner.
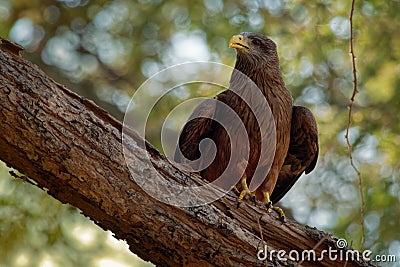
(104, 50)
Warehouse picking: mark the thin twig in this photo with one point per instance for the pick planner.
(314, 248)
(22, 177)
(355, 91)
(345, 263)
(262, 238)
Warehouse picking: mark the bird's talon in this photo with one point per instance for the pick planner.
(245, 191)
(253, 197)
(280, 213)
(268, 204)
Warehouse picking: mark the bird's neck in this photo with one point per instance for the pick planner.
(268, 79)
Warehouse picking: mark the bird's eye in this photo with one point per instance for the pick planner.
(256, 42)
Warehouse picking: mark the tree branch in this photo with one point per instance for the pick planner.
(72, 148)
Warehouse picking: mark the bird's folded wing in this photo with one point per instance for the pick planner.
(199, 126)
(303, 151)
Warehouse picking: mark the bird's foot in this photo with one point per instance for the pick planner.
(268, 204)
(280, 213)
(245, 191)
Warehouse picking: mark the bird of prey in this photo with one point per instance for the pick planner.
(296, 136)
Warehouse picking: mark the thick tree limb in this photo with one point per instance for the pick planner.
(71, 147)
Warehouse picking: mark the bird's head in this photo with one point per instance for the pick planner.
(254, 51)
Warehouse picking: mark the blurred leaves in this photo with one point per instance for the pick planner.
(37, 230)
(106, 49)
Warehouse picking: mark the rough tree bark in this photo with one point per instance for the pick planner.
(72, 148)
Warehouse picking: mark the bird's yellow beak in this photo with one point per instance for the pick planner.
(237, 41)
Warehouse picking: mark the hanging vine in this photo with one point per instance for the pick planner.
(349, 146)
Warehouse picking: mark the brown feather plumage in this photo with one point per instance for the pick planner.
(261, 64)
(303, 151)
